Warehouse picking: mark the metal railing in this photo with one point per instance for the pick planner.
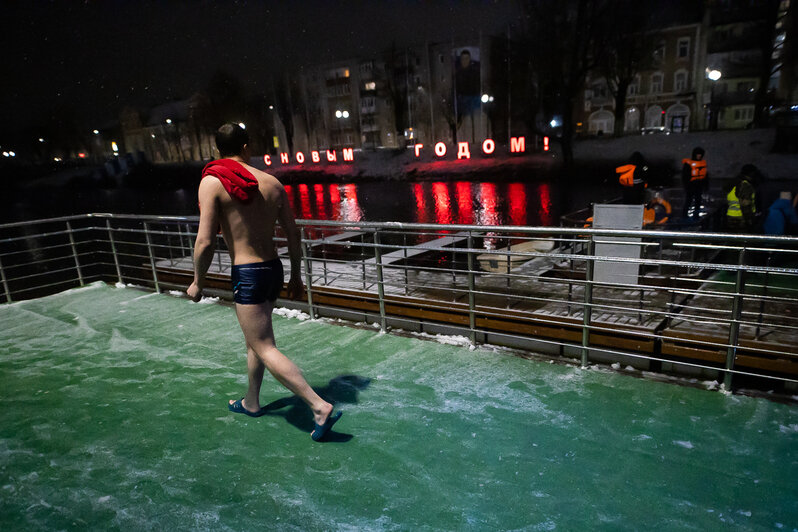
(712, 306)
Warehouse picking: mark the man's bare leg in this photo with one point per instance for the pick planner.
(255, 369)
(256, 323)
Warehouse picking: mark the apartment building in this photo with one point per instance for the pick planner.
(663, 95)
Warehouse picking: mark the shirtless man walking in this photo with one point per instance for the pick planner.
(246, 203)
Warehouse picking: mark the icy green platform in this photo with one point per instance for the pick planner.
(114, 416)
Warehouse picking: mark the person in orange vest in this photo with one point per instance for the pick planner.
(694, 178)
(632, 178)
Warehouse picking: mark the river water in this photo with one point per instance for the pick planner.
(533, 200)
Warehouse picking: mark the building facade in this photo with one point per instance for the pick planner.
(665, 95)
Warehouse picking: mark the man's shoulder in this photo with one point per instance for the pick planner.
(267, 179)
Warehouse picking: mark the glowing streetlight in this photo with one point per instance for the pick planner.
(345, 114)
(41, 139)
(168, 120)
(96, 131)
(338, 113)
(713, 76)
(242, 125)
(485, 98)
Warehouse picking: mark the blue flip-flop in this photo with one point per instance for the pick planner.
(238, 408)
(320, 430)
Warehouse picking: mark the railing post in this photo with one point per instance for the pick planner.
(324, 258)
(508, 269)
(152, 257)
(734, 325)
(190, 244)
(404, 252)
(75, 253)
(764, 296)
(308, 273)
(5, 283)
(113, 249)
(591, 250)
(363, 259)
(472, 321)
(380, 287)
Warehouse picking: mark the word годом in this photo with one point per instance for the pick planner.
(488, 146)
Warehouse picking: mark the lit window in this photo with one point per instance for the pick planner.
(370, 86)
(659, 52)
(656, 83)
(683, 48)
(346, 72)
(680, 81)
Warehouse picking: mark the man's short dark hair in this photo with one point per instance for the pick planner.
(230, 139)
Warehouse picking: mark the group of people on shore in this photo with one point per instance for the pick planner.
(744, 212)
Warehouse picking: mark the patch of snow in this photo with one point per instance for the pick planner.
(291, 313)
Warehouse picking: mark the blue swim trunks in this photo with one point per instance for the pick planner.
(257, 282)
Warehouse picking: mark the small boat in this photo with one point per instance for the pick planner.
(496, 261)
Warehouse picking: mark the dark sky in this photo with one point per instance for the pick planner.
(96, 56)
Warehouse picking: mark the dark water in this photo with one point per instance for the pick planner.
(535, 201)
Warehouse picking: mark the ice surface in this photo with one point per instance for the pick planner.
(120, 421)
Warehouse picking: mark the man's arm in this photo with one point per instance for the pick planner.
(286, 219)
(206, 236)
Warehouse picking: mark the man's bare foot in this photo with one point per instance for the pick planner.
(231, 404)
(321, 415)
(324, 419)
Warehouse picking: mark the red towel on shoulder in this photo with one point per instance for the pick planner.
(236, 180)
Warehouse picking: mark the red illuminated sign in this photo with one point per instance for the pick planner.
(440, 149)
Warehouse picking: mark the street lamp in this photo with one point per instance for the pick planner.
(713, 76)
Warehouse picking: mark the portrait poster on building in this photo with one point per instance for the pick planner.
(466, 80)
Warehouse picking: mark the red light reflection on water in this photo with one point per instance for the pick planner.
(304, 202)
(289, 191)
(351, 207)
(443, 206)
(488, 214)
(516, 194)
(465, 204)
(546, 217)
(335, 202)
(422, 215)
(321, 208)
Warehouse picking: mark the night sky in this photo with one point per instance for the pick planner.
(94, 57)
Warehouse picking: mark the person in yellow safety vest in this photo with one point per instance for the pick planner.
(632, 178)
(694, 178)
(741, 199)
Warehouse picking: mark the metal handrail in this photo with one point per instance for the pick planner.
(141, 245)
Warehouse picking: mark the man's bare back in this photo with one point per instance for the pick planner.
(248, 227)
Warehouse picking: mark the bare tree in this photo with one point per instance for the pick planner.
(565, 40)
(630, 50)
